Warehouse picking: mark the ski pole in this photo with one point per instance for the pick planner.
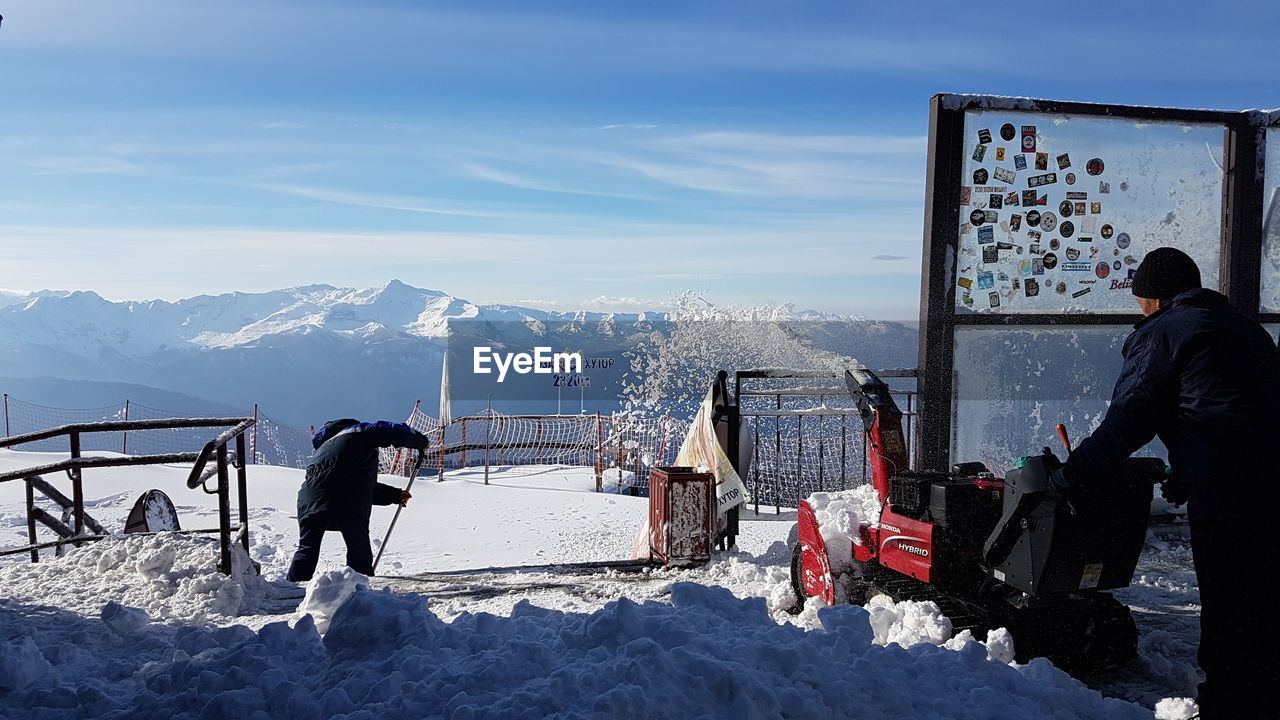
(1062, 435)
(413, 475)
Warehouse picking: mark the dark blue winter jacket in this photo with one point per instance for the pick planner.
(1206, 380)
(342, 478)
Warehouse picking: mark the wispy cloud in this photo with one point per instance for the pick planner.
(503, 177)
(887, 258)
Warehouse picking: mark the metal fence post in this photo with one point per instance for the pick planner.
(255, 433)
(124, 436)
(6, 414)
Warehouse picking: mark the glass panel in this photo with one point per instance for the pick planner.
(1058, 210)
(1013, 386)
(1271, 224)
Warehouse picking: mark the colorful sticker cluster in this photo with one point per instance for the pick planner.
(1029, 244)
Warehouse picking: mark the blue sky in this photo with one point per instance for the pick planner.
(554, 154)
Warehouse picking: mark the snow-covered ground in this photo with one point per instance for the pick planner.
(145, 627)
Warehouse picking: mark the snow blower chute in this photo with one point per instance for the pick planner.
(990, 552)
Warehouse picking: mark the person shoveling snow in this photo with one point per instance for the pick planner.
(341, 488)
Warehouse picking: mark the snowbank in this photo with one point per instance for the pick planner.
(707, 654)
(171, 578)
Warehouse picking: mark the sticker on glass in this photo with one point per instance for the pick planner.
(986, 234)
(1015, 222)
(1122, 240)
(980, 176)
(1071, 178)
(1095, 208)
(1019, 162)
(1050, 261)
(1048, 222)
(984, 136)
(1005, 175)
(1066, 229)
(1040, 180)
(1102, 269)
(1028, 138)
(977, 217)
(996, 201)
(1033, 218)
(979, 152)
(1042, 161)
(1064, 208)
(1107, 232)
(1094, 166)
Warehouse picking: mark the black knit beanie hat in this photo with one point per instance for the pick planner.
(1164, 273)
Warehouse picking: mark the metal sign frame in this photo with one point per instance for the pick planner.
(1240, 256)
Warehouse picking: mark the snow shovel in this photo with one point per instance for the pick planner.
(413, 475)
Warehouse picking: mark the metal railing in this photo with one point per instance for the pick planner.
(808, 448)
(198, 477)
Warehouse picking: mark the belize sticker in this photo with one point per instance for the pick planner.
(1028, 138)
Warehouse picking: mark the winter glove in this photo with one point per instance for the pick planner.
(1174, 490)
(1061, 489)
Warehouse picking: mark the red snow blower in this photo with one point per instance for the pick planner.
(991, 552)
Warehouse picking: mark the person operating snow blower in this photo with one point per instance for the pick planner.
(342, 487)
(1205, 378)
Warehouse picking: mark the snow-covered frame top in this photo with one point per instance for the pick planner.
(953, 160)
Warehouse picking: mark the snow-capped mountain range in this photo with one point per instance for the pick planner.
(305, 354)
